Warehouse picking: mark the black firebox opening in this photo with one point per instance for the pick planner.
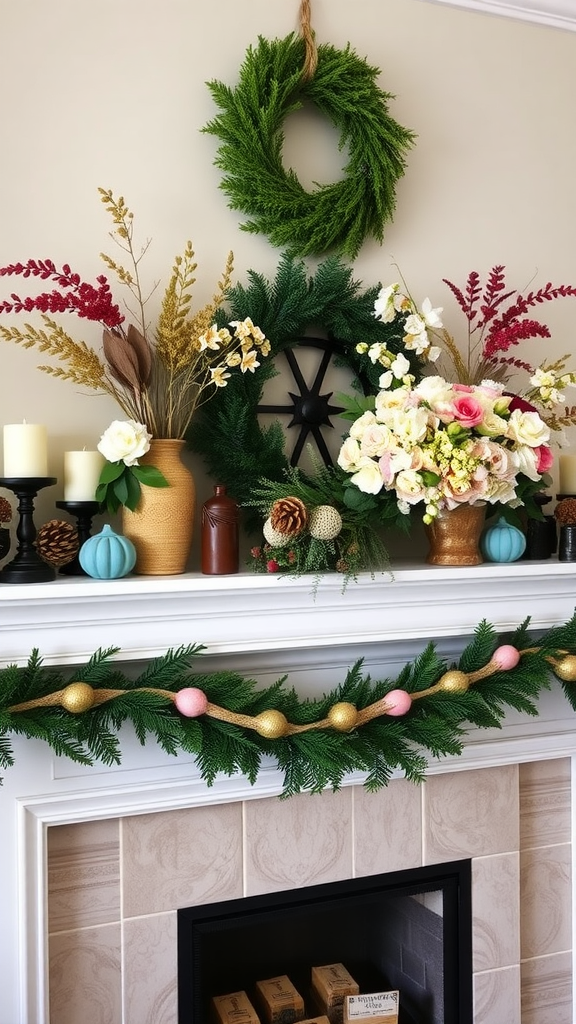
(409, 930)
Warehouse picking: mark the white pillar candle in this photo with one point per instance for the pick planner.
(567, 471)
(25, 450)
(81, 475)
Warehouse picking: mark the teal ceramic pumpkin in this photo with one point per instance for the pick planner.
(503, 542)
(107, 555)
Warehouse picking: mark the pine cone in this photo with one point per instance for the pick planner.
(288, 516)
(565, 511)
(57, 542)
(5, 511)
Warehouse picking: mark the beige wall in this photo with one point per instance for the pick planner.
(113, 94)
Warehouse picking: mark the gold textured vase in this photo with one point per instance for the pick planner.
(454, 536)
(162, 524)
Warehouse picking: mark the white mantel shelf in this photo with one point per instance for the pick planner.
(68, 620)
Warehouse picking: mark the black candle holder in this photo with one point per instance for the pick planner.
(83, 512)
(27, 566)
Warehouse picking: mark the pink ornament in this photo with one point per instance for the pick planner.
(398, 702)
(506, 657)
(191, 702)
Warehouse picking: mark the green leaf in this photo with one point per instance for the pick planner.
(355, 406)
(120, 488)
(133, 490)
(111, 471)
(150, 476)
(105, 495)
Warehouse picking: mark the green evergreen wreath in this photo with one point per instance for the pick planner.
(238, 450)
(229, 724)
(338, 216)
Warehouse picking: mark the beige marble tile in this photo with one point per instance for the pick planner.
(470, 814)
(387, 828)
(302, 841)
(176, 858)
(497, 997)
(495, 911)
(545, 804)
(546, 895)
(83, 874)
(547, 990)
(85, 982)
(150, 970)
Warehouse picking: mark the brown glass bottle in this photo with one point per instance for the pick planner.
(220, 556)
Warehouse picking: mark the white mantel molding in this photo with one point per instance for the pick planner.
(144, 616)
(555, 13)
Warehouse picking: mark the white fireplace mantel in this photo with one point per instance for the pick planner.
(143, 616)
(260, 625)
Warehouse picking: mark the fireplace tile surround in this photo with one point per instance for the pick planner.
(122, 848)
(114, 886)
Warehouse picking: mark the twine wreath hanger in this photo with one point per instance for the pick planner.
(276, 79)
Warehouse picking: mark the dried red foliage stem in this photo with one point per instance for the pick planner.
(75, 296)
(499, 328)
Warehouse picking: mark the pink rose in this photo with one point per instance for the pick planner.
(463, 387)
(272, 565)
(545, 458)
(467, 410)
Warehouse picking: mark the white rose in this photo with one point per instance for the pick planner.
(503, 491)
(528, 428)
(124, 441)
(434, 390)
(368, 478)
(367, 419)
(349, 455)
(409, 486)
(491, 425)
(410, 425)
(527, 462)
(376, 440)
(389, 400)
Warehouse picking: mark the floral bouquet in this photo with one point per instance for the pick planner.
(438, 445)
(498, 319)
(159, 377)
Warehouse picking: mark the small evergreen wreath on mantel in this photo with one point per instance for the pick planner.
(237, 449)
(249, 457)
(273, 83)
(229, 724)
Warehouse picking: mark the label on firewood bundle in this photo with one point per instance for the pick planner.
(375, 1007)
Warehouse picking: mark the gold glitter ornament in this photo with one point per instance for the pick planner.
(566, 669)
(325, 522)
(271, 724)
(343, 716)
(454, 682)
(77, 697)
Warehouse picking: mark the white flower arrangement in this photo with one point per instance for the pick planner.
(497, 320)
(440, 445)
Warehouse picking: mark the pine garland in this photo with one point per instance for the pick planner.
(339, 216)
(229, 724)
